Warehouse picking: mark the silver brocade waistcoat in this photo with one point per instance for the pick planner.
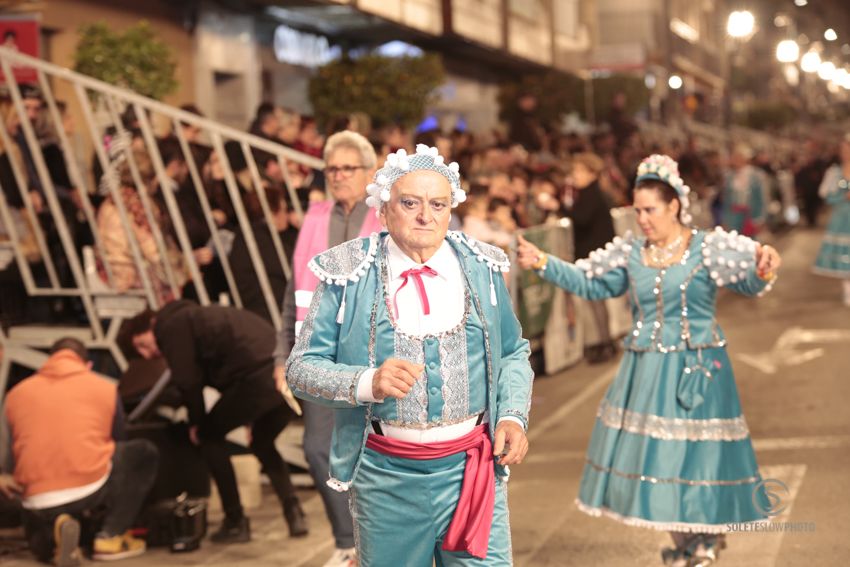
(454, 386)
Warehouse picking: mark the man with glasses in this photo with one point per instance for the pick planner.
(350, 163)
(412, 339)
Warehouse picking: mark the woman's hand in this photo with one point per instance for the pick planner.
(528, 255)
(203, 256)
(219, 217)
(767, 261)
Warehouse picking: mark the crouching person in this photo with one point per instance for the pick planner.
(66, 424)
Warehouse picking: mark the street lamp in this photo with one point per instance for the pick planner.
(839, 76)
(675, 82)
(787, 51)
(741, 24)
(810, 62)
(830, 35)
(826, 70)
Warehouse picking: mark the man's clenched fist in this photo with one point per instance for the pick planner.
(395, 378)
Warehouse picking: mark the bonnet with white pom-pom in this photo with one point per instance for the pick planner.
(399, 164)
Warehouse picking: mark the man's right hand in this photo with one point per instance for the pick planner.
(9, 488)
(395, 378)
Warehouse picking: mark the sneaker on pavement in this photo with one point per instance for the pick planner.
(117, 547)
(66, 533)
(343, 558)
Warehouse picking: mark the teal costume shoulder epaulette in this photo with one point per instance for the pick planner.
(728, 256)
(493, 256)
(346, 262)
(614, 255)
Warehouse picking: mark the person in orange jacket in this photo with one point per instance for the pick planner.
(66, 424)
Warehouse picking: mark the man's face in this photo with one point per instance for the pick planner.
(582, 176)
(273, 170)
(271, 125)
(32, 106)
(528, 103)
(310, 136)
(418, 213)
(191, 133)
(145, 345)
(345, 175)
(178, 170)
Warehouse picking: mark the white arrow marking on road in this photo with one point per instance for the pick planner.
(786, 351)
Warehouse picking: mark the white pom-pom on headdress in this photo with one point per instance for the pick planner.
(664, 168)
(399, 164)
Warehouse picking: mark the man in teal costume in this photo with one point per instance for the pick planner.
(412, 338)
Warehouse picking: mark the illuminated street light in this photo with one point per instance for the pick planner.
(839, 77)
(830, 35)
(826, 70)
(846, 84)
(810, 62)
(801, 3)
(787, 51)
(741, 24)
(675, 82)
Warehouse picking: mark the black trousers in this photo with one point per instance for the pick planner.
(253, 402)
(134, 466)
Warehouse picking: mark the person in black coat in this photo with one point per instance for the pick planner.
(244, 274)
(230, 350)
(525, 128)
(593, 228)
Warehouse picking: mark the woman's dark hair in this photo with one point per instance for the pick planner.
(139, 324)
(665, 191)
(495, 203)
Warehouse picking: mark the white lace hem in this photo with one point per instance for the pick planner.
(660, 526)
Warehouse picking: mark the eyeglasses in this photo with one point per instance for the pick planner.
(346, 170)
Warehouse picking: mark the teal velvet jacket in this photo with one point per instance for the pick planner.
(338, 341)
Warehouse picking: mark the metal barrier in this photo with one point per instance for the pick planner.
(89, 275)
(541, 307)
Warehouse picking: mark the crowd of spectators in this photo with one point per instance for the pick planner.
(516, 178)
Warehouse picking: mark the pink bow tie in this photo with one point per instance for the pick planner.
(416, 274)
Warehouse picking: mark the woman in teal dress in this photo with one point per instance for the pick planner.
(670, 448)
(834, 257)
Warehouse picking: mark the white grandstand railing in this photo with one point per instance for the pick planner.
(111, 101)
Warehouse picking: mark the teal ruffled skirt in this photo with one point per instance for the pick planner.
(834, 256)
(670, 449)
